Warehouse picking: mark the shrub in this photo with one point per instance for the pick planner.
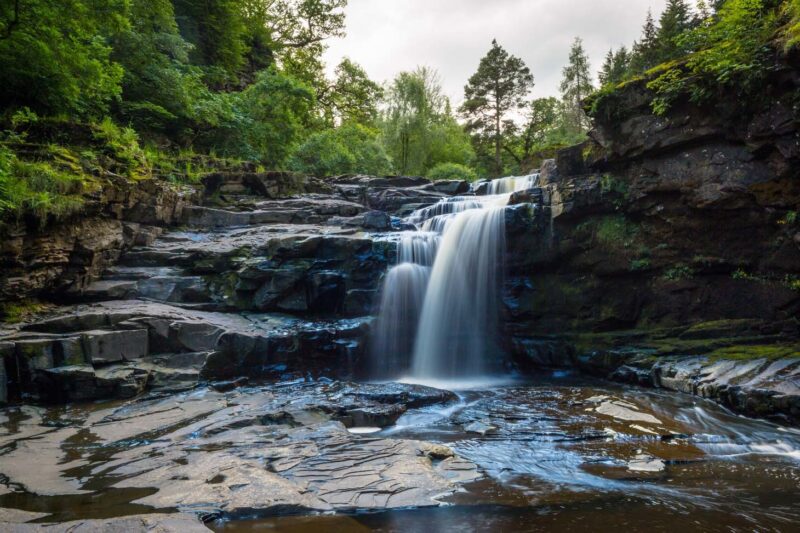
(451, 171)
(352, 148)
(38, 188)
(678, 272)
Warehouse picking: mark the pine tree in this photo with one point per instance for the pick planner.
(576, 85)
(674, 21)
(499, 86)
(645, 53)
(604, 76)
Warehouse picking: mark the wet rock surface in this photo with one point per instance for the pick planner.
(558, 452)
(253, 451)
(271, 274)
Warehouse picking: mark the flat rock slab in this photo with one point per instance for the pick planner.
(252, 451)
(156, 523)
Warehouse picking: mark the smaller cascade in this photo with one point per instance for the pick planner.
(418, 247)
(512, 184)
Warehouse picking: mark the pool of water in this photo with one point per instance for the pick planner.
(557, 454)
(553, 461)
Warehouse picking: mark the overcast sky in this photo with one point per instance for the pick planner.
(389, 36)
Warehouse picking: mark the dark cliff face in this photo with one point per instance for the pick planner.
(52, 259)
(665, 238)
(670, 220)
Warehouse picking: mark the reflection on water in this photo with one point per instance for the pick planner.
(554, 462)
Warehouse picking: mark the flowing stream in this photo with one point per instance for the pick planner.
(440, 303)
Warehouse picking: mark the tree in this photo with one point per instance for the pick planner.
(675, 20)
(500, 86)
(645, 53)
(294, 32)
(352, 96)
(54, 56)
(576, 85)
(615, 67)
(418, 125)
(217, 31)
(349, 149)
(159, 87)
(265, 122)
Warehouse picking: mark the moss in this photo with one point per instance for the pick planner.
(615, 231)
(755, 351)
(15, 312)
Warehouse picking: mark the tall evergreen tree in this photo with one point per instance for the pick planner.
(615, 67)
(604, 76)
(576, 85)
(645, 53)
(500, 86)
(674, 21)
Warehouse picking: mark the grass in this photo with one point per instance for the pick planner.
(15, 312)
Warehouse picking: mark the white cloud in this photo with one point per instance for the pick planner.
(389, 36)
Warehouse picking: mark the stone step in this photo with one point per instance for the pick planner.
(112, 349)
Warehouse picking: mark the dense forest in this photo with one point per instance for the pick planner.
(153, 84)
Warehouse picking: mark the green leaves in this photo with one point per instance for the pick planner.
(418, 127)
(732, 51)
(56, 58)
(349, 149)
(451, 171)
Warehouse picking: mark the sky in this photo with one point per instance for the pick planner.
(389, 36)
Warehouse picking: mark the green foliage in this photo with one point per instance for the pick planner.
(791, 32)
(265, 122)
(675, 20)
(217, 33)
(159, 87)
(615, 67)
(615, 231)
(638, 265)
(498, 88)
(419, 130)
(350, 149)
(451, 171)
(791, 217)
(352, 97)
(732, 52)
(678, 272)
(39, 188)
(576, 85)
(54, 57)
(646, 54)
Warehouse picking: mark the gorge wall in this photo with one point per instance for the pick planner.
(674, 235)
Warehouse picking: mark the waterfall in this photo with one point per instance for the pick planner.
(401, 305)
(439, 306)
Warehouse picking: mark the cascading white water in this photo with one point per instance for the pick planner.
(459, 314)
(512, 184)
(443, 297)
(401, 304)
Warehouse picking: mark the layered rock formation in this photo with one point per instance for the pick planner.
(271, 275)
(673, 235)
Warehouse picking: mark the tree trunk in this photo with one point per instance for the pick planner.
(498, 144)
